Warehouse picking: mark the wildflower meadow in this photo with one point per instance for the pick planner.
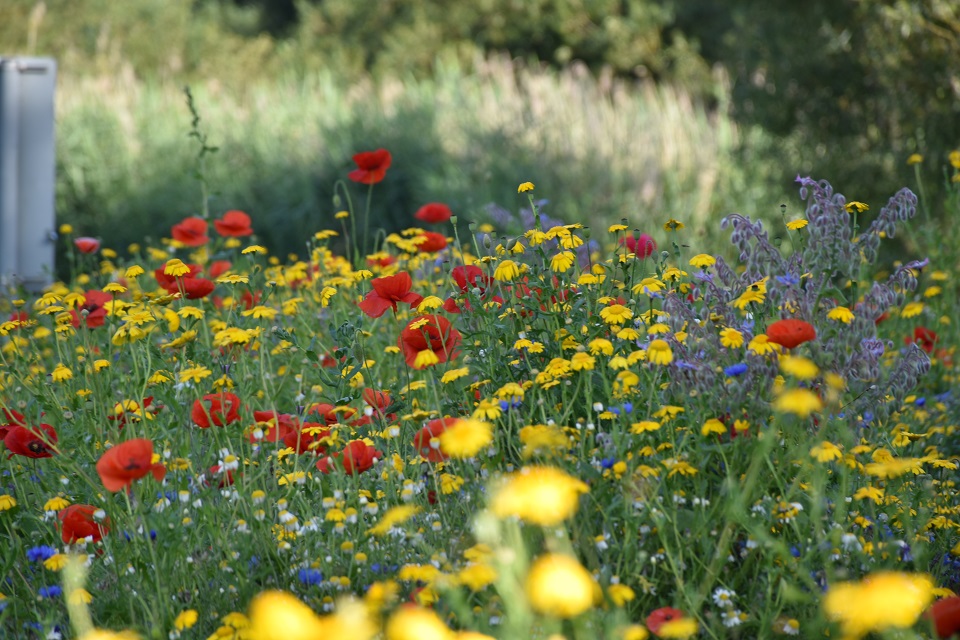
(512, 429)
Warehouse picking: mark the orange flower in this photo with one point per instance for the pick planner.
(126, 462)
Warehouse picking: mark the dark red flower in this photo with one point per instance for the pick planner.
(925, 338)
(433, 213)
(422, 439)
(371, 166)
(30, 442)
(218, 267)
(642, 247)
(119, 466)
(86, 244)
(470, 277)
(432, 242)
(662, 616)
(191, 232)
(356, 458)
(12, 419)
(77, 523)
(217, 409)
(945, 614)
(432, 333)
(790, 332)
(234, 224)
(387, 292)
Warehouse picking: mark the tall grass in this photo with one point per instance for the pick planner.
(602, 148)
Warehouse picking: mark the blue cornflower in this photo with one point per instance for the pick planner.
(607, 463)
(310, 577)
(920, 402)
(50, 592)
(788, 280)
(41, 553)
(735, 370)
(628, 407)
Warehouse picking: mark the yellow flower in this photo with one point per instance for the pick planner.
(524, 187)
(233, 278)
(761, 345)
(58, 503)
(66, 229)
(826, 451)
(678, 628)
(634, 632)
(194, 373)
(539, 495)
(430, 303)
(133, 271)
(799, 367)
(506, 271)
(62, 373)
(713, 426)
(617, 228)
(254, 248)
(643, 426)
(102, 634)
(797, 224)
(659, 352)
(100, 365)
(702, 261)
(615, 314)
(413, 622)
(466, 438)
(841, 314)
(673, 225)
(620, 594)
(954, 159)
(340, 215)
(882, 601)
(114, 287)
(477, 575)
(582, 362)
(858, 206)
(562, 261)
(800, 402)
(731, 338)
(915, 158)
(56, 562)
(277, 615)
(454, 374)
(557, 585)
(175, 267)
(911, 309)
(756, 292)
(185, 619)
(7, 502)
(393, 517)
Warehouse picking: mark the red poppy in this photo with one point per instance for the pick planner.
(77, 523)
(131, 411)
(332, 415)
(642, 247)
(433, 213)
(790, 332)
(925, 339)
(274, 426)
(437, 335)
(191, 232)
(192, 288)
(226, 478)
(379, 401)
(470, 277)
(387, 292)
(662, 616)
(356, 458)
(128, 461)
(30, 442)
(422, 441)
(166, 281)
(86, 244)
(210, 411)
(93, 304)
(432, 242)
(945, 614)
(218, 267)
(371, 166)
(234, 224)
(13, 419)
(308, 439)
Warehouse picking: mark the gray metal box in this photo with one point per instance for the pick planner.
(27, 171)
